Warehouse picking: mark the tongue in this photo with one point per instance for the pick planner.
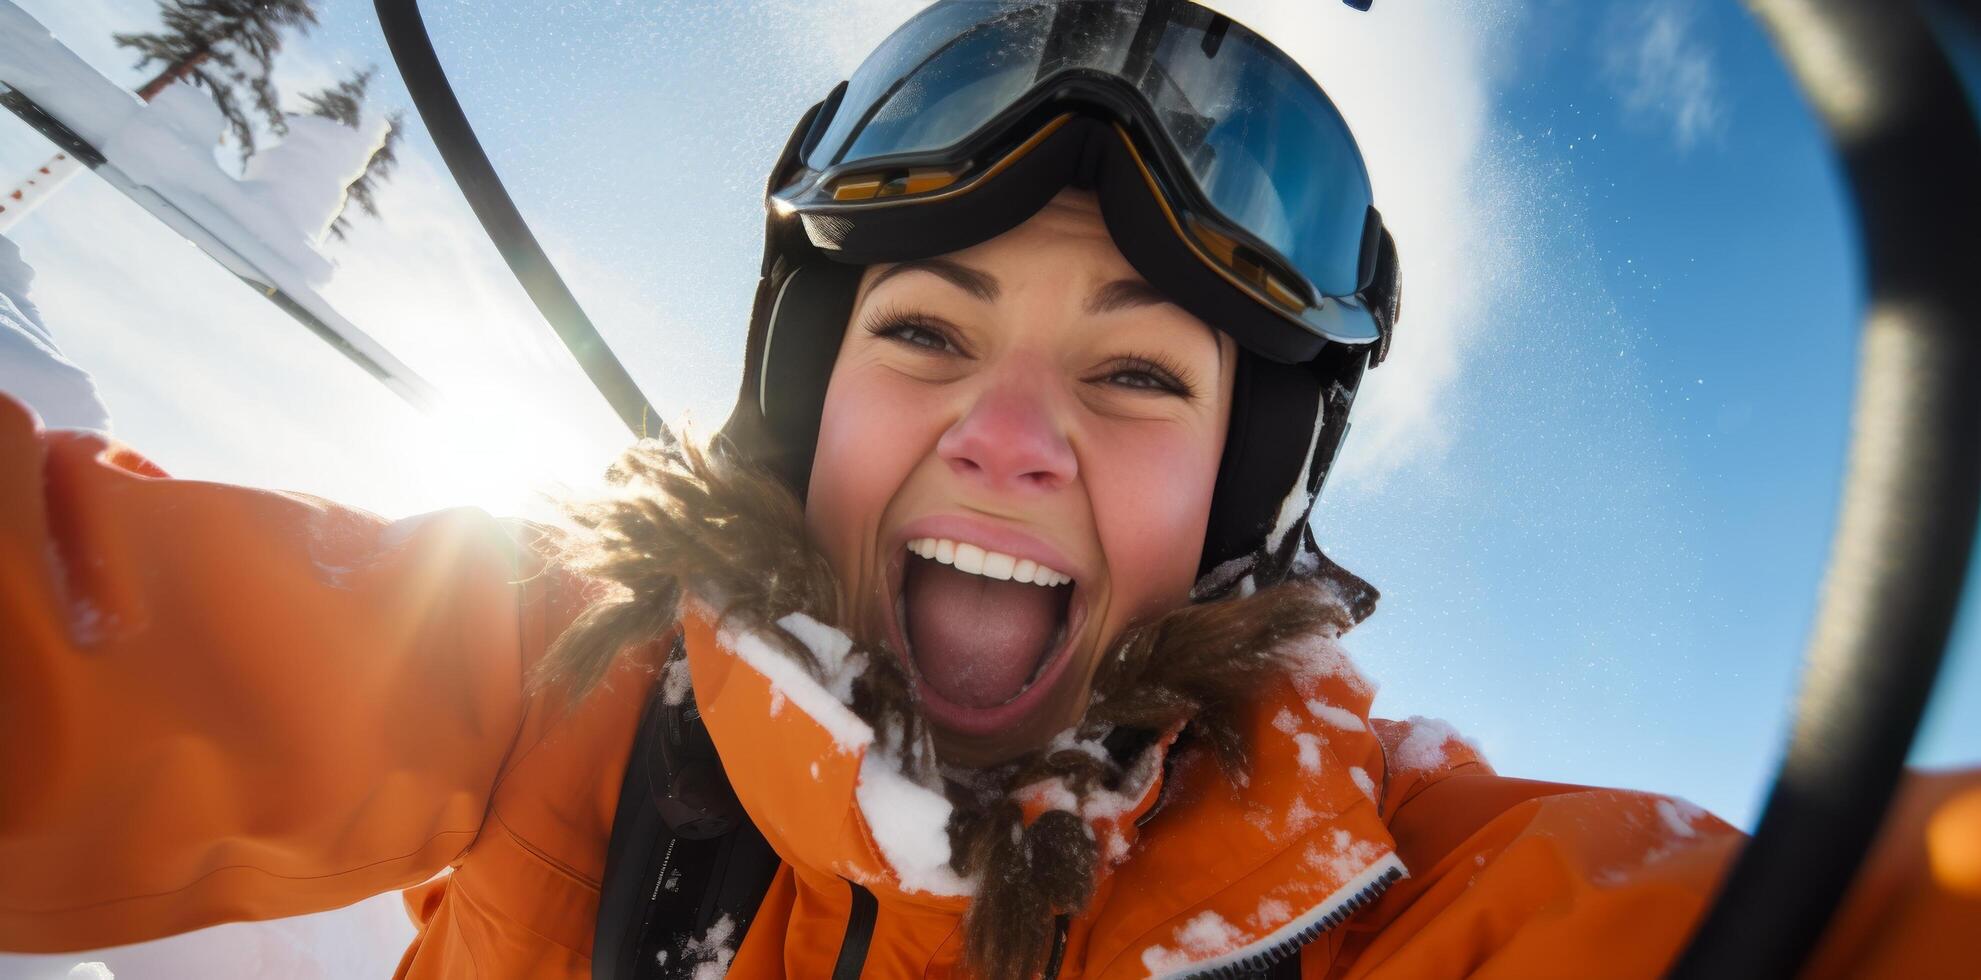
(976, 640)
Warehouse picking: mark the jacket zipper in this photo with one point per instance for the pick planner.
(1059, 925)
(1265, 959)
(660, 880)
(859, 934)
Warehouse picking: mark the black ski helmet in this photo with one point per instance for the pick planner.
(1225, 175)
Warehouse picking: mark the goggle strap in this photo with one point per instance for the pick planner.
(1372, 245)
(1384, 296)
(821, 119)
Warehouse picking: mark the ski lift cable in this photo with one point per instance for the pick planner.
(307, 309)
(419, 66)
(1909, 141)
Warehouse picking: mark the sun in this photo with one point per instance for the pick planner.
(509, 453)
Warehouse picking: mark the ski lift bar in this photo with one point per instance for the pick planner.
(1906, 134)
(64, 139)
(310, 311)
(447, 123)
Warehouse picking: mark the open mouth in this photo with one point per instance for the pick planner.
(986, 633)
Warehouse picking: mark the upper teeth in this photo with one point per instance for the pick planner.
(967, 557)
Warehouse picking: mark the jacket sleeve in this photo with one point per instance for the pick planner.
(1518, 878)
(219, 703)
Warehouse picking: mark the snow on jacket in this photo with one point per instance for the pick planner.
(219, 704)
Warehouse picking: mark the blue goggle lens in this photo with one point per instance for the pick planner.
(1261, 143)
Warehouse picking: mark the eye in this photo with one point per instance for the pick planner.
(1147, 374)
(1140, 379)
(915, 332)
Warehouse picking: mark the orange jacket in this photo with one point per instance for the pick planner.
(219, 704)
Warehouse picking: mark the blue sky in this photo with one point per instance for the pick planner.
(1595, 483)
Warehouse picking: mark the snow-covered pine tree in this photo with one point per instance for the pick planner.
(227, 47)
(345, 103)
(203, 41)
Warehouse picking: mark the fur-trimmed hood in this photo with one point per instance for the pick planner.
(1216, 804)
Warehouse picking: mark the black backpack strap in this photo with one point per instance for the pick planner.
(683, 853)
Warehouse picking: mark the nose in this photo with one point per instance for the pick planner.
(1010, 440)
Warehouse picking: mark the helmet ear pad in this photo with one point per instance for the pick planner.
(800, 320)
(1273, 408)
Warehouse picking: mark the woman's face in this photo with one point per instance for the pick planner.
(1025, 408)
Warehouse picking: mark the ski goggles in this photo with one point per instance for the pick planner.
(1248, 164)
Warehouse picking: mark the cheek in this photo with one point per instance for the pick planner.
(1151, 494)
(868, 445)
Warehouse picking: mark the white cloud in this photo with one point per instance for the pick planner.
(1664, 71)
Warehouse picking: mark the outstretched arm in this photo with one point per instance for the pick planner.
(1518, 878)
(219, 703)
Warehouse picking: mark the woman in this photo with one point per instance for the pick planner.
(990, 604)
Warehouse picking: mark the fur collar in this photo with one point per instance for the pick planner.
(703, 523)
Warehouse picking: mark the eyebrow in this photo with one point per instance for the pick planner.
(1127, 294)
(1120, 294)
(1124, 294)
(976, 282)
